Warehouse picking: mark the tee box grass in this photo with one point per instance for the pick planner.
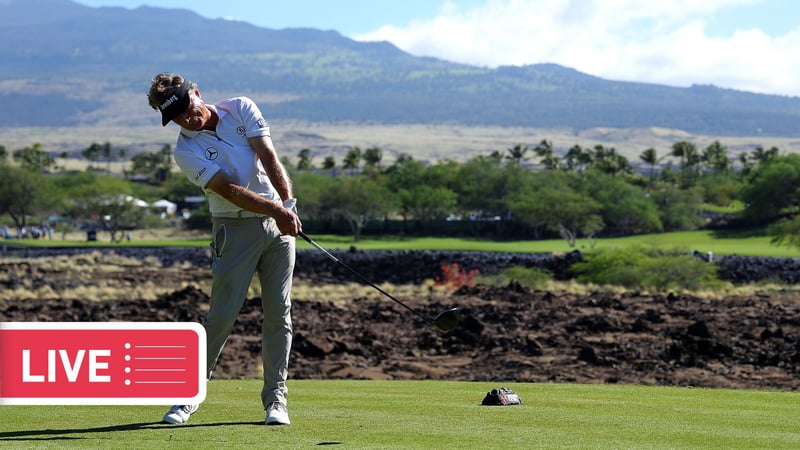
(427, 414)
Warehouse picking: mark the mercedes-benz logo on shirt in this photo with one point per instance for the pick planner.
(211, 153)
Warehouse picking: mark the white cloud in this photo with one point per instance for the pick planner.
(663, 42)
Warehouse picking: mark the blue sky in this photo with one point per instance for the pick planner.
(752, 45)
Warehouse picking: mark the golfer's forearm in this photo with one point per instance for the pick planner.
(250, 201)
(280, 180)
(265, 150)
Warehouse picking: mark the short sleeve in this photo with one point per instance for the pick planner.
(254, 122)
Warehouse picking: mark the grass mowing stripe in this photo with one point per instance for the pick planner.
(428, 414)
(690, 417)
(702, 240)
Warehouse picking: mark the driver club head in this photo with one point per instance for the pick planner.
(447, 319)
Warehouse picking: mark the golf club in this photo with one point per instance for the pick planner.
(444, 321)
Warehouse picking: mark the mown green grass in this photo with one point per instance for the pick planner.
(428, 414)
(104, 242)
(745, 244)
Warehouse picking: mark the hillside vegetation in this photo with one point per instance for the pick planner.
(322, 76)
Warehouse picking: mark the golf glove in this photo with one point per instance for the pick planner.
(291, 205)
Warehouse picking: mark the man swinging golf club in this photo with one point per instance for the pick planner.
(226, 149)
(223, 148)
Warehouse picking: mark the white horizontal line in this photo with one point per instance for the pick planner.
(160, 382)
(181, 358)
(159, 370)
(159, 346)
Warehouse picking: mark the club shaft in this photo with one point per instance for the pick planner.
(361, 277)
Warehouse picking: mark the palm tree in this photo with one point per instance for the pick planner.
(496, 158)
(122, 153)
(600, 156)
(650, 156)
(573, 158)
(516, 154)
(586, 158)
(352, 159)
(304, 160)
(609, 161)
(372, 157)
(693, 159)
(106, 152)
(622, 165)
(747, 165)
(92, 153)
(687, 152)
(762, 156)
(549, 159)
(716, 157)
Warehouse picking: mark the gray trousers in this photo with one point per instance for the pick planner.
(241, 248)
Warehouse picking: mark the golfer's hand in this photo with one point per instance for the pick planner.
(288, 222)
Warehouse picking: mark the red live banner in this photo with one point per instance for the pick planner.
(92, 363)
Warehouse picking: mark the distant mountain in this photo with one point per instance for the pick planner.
(64, 64)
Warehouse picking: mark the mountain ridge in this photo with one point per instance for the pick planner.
(58, 74)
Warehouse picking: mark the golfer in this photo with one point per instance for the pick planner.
(226, 149)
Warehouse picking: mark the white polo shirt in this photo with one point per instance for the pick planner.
(201, 154)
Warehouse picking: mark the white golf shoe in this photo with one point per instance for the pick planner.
(277, 415)
(180, 413)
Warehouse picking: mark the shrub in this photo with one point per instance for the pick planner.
(152, 221)
(646, 268)
(200, 219)
(529, 277)
(785, 231)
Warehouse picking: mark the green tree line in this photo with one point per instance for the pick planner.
(531, 193)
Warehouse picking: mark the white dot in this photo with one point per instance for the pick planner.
(127, 346)
(127, 357)
(127, 370)
(127, 382)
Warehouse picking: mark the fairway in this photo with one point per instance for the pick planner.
(702, 240)
(427, 414)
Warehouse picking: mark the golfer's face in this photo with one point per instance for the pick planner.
(195, 116)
